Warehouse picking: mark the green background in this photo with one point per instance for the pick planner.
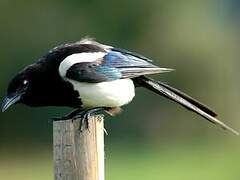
(153, 138)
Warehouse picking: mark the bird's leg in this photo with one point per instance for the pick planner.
(70, 115)
(85, 116)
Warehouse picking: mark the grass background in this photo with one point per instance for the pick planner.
(169, 162)
(175, 162)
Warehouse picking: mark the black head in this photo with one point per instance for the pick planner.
(17, 89)
(41, 85)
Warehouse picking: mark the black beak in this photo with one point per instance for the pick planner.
(10, 100)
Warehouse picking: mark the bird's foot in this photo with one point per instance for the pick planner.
(68, 116)
(85, 116)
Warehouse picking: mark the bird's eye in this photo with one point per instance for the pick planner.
(25, 82)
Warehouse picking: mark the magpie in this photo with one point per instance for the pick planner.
(92, 77)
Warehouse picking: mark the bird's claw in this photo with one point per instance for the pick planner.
(69, 116)
(84, 120)
(84, 117)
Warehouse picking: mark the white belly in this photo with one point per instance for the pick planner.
(105, 94)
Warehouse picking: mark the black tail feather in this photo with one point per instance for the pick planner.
(182, 99)
(195, 102)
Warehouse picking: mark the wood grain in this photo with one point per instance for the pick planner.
(78, 155)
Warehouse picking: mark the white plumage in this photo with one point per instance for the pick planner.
(78, 58)
(105, 94)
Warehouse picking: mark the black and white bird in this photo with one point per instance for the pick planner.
(92, 77)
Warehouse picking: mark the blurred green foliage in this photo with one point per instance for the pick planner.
(197, 38)
(163, 161)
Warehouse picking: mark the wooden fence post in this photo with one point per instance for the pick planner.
(78, 155)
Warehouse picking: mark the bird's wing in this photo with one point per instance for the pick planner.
(115, 64)
(131, 64)
(92, 72)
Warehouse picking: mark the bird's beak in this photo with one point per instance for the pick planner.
(10, 100)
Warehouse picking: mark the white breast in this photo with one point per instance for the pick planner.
(105, 94)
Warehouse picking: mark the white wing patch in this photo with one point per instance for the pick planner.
(78, 58)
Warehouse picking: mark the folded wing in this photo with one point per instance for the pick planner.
(114, 65)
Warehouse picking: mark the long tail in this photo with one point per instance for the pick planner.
(182, 99)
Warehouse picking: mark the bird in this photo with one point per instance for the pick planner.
(91, 77)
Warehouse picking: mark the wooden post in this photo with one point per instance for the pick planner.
(78, 155)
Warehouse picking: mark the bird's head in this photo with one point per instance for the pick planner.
(17, 89)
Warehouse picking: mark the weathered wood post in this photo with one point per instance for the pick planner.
(78, 155)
